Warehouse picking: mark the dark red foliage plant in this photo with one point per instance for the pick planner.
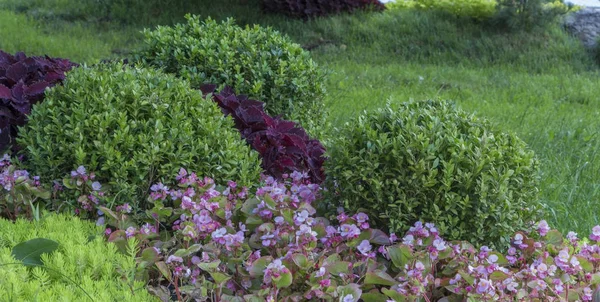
(284, 146)
(23, 81)
(314, 8)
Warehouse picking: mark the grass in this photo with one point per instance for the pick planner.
(541, 85)
(77, 42)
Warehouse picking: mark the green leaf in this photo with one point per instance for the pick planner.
(164, 270)
(109, 212)
(301, 261)
(219, 278)
(554, 237)
(400, 255)
(394, 295)
(350, 289)
(39, 192)
(284, 280)
(30, 252)
(586, 265)
(119, 239)
(467, 277)
(150, 254)
(595, 279)
(498, 276)
(379, 277)
(209, 266)
(373, 297)
(257, 268)
(338, 267)
(378, 237)
(67, 183)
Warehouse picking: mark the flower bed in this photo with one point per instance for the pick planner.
(205, 241)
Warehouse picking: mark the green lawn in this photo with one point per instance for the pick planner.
(541, 85)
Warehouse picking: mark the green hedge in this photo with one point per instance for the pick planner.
(255, 61)
(432, 162)
(133, 127)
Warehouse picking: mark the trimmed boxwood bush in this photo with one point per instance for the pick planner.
(255, 61)
(82, 266)
(133, 127)
(431, 161)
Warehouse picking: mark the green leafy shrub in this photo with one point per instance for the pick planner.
(314, 8)
(478, 9)
(528, 14)
(255, 61)
(430, 161)
(133, 127)
(83, 266)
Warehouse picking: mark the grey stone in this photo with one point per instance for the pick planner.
(585, 25)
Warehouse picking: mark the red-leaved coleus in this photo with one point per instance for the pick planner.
(23, 81)
(284, 146)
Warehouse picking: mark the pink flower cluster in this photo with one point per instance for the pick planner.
(272, 246)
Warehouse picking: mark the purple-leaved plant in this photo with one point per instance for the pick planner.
(23, 81)
(284, 146)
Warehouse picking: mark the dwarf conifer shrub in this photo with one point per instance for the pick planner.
(255, 61)
(133, 127)
(77, 265)
(430, 161)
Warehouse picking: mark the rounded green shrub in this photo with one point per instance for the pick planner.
(81, 267)
(430, 161)
(255, 61)
(478, 9)
(133, 127)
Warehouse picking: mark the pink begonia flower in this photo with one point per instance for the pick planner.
(348, 298)
(572, 237)
(130, 232)
(361, 217)
(349, 230)
(439, 244)
(484, 286)
(587, 294)
(320, 272)
(543, 228)
(174, 258)
(408, 240)
(301, 217)
(267, 239)
(364, 247)
(595, 233)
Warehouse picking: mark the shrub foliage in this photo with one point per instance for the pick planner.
(256, 61)
(314, 8)
(23, 81)
(133, 126)
(284, 146)
(526, 15)
(430, 161)
(478, 9)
